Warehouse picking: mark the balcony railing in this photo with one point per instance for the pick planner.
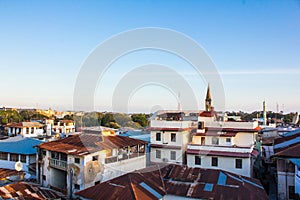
(61, 164)
(121, 157)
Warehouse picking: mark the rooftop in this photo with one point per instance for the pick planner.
(25, 124)
(19, 145)
(23, 190)
(83, 144)
(158, 181)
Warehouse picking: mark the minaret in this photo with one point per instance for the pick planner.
(264, 113)
(208, 101)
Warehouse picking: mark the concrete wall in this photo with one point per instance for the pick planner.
(285, 179)
(224, 163)
(170, 124)
(113, 170)
(11, 164)
(166, 155)
(244, 139)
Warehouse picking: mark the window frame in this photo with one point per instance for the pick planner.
(172, 155)
(158, 153)
(173, 137)
(197, 158)
(158, 136)
(239, 163)
(214, 161)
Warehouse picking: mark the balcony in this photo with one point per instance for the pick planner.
(59, 164)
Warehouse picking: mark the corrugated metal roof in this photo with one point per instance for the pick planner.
(23, 190)
(287, 143)
(4, 173)
(151, 190)
(82, 144)
(180, 181)
(22, 146)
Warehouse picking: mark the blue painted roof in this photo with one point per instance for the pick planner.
(291, 133)
(296, 161)
(151, 190)
(287, 143)
(24, 146)
(222, 179)
(208, 187)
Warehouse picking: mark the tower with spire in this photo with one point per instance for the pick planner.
(208, 100)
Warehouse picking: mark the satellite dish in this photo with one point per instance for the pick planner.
(18, 166)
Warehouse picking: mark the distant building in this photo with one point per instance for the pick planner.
(62, 126)
(287, 154)
(21, 149)
(177, 182)
(81, 161)
(25, 129)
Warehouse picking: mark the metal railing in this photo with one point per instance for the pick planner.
(61, 164)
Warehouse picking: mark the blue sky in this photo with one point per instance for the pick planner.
(255, 46)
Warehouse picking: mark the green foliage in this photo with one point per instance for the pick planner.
(9, 116)
(140, 118)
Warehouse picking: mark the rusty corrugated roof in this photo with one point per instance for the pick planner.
(23, 190)
(182, 181)
(4, 173)
(82, 144)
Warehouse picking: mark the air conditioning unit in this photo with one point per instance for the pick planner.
(165, 159)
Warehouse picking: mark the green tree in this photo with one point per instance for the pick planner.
(140, 118)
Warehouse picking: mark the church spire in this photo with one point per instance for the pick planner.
(208, 100)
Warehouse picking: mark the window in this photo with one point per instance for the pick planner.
(202, 140)
(200, 125)
(214, 161)
(3, 156)
(158, 154)
(23, 158)
(44, 177)
(173, 137)
(215, 141)
(228, 140)
(77, 160)
(32, 130)
(77, 187)
(54, 155)
(158, 136)
(97, 182)
(173, 155)
(291, 192)
(95, 158)
(44, 153)
(14, 157)
(197, 160)
(238, 163)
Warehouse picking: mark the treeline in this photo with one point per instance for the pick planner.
(9, 116)
(113, 120)
(286, 118)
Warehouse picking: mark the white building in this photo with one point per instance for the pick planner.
(16, 149)
(81, 161)
(62, 126)
(25, 129)
(224, 145)
(169, 137)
